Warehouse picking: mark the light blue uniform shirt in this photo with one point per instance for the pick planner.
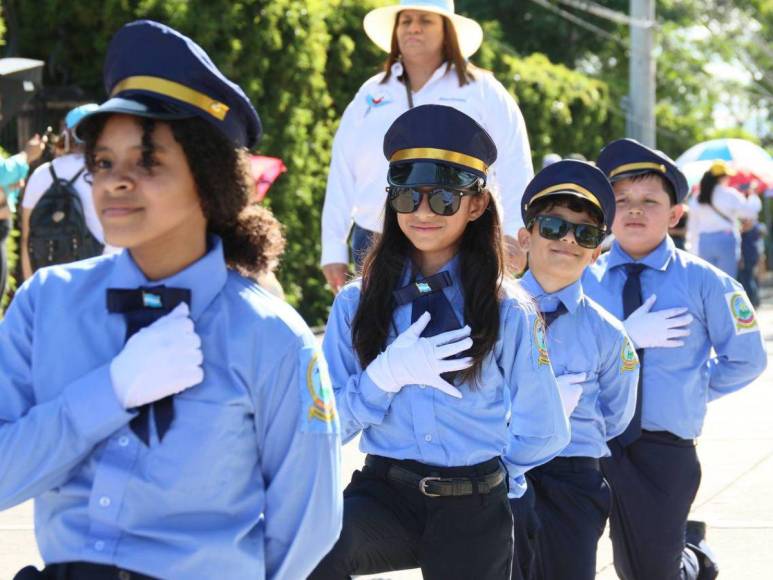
(515, 412)
(588, 339)
(678, 382)
(245, 483)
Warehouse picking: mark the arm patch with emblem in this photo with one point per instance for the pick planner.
(318, 409)
(628, 359)
(741, 312)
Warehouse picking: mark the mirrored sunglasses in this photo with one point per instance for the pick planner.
(442, 200)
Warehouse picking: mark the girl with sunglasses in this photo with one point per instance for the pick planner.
(568, 209)
(441, 366)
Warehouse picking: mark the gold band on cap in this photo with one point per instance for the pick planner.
(634, 166)
(439, 155)
(175, 90)
(571, 188)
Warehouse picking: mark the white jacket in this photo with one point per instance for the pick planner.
(356, 186)
(704, 219)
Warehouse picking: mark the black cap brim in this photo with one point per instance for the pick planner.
(147, 108)
(425, 173)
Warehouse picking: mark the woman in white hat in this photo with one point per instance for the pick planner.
(428, 46)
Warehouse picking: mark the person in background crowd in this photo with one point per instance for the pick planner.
(158, 404)
(752, 248)
(702, 342)
(69, 165)
(428, 46)
(13, 172)
(445, 436)
(715, 218)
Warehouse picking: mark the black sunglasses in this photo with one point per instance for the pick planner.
(443, 201)
(555, 228)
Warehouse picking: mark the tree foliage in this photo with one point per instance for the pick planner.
(301, 62)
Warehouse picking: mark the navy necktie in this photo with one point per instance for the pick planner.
(142, 307)
(550, 317)
(632, 299)
(427, 296)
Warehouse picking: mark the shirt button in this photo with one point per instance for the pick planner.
(124, 575)
(99, 545)
(104, 501)
(123, 441)
(428, 437)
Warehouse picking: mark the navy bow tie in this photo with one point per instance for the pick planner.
(427, 295)
(141, 307)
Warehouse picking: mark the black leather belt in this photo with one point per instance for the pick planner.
(435, 486)
(573, 464)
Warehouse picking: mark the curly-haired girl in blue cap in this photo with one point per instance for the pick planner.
(169, 417)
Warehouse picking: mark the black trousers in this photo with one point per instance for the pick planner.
(391, 526)
(654, 482)
(571, 504)
(79, 571)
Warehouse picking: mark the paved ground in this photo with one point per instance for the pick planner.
(736, 451)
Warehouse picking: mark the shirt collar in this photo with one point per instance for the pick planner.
(397, 70)
(570, 296)
(205, 278)
(657, 259)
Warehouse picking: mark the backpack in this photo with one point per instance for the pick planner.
(58, 231)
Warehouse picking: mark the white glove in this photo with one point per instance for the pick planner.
(657, 329)
(413, 360)
(570, 390)
(162, 359)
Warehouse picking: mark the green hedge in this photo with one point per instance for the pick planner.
(301, 61)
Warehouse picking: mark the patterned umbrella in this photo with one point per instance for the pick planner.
(741, 152)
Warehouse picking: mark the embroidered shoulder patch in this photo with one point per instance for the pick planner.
(628, 360)
(317, 398)
(540, 342)
(741, 312)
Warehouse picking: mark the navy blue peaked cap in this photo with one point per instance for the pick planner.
(440, 135)
(627, 157)
(151, 70)
(571, 177)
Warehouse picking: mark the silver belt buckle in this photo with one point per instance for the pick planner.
(423, 486)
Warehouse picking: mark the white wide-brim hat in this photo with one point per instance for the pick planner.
(380, 22)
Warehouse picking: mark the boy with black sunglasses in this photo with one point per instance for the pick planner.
(568, 208)
(654, 470)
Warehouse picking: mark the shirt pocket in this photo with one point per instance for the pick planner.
(208, 444)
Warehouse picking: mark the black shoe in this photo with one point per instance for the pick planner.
(696, 542)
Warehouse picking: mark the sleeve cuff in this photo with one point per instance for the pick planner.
(372, 395)
(93, 406)
(334, 253)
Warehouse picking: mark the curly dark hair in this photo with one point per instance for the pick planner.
(481, 268)
(253, 241)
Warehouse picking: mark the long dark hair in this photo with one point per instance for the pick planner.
(252, 237)
(708, 183)
(481, 268)
(452, 54)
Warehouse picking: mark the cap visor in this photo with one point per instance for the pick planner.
(150, 109)
(416, 173)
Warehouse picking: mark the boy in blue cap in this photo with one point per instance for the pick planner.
(170, 418)
(654, 470)
(568, 209)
